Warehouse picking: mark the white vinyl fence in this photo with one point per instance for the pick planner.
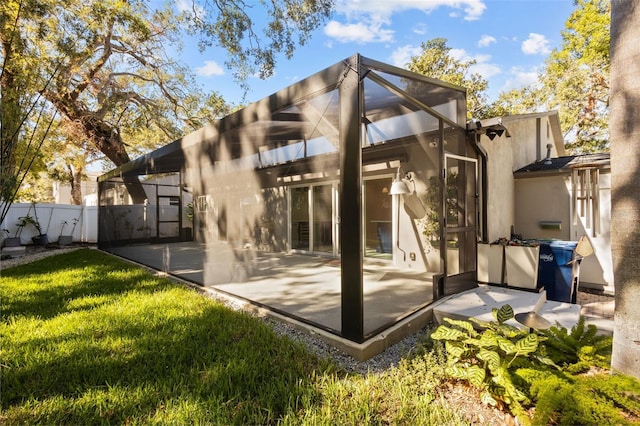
(55, 220)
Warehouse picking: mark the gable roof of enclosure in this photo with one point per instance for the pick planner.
(267, 123)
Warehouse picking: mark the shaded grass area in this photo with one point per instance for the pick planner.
(90, 339)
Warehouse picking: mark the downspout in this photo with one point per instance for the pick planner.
(441, 280)
(484, 158)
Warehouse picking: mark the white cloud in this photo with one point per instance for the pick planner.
(483, 65)
(486, 70)
(190, 8)
(367, 20)
(535, 44)
(209, 69)
(520, 77)
(486, 40)
(182, 5)
(472, 9)
(420, 29)
(459, 54)
(359, 32)
(402, 55)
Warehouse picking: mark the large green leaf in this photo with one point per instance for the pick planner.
(476, 375)
(506, 345)
(527, 344)
(446, 333)
(489, 339)
(492, 358)
(501, 377)
(503, 314)
(464, 325)
(481, 324)
(507, 330)
(455, 350)
(546, 361)
(458, 371)
(474, 343)
(488, 399)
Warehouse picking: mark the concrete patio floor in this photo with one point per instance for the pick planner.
(304, 290)
(305, 287)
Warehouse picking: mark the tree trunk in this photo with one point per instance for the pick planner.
(105, 137)
(625, 185)
(10, 118)
(110, 143)
(76, 185)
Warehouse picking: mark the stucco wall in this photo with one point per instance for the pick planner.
(506, 155)
(500, 187)
(549, 199)
(542, 199)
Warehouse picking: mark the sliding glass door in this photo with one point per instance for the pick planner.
(378, 218)
(313, 218)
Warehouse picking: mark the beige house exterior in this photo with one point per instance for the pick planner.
(536, 190)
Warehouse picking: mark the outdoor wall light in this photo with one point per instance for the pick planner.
(492, 133)
(399, 186)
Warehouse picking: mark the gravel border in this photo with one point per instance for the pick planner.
(32, 254)
(381, 362)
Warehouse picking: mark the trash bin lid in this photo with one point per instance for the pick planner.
(563, 251)
(566, 245)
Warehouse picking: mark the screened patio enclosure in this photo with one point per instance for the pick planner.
(347, 200)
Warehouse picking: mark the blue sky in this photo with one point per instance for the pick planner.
(510, 40)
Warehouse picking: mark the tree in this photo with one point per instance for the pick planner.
(625, 185)
(575, 80)
(576, 77)
(436, 61)
(25, 119)
(114, 77)
(229, 24)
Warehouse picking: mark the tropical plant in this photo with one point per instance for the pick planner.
(543, 368)
(487, 358)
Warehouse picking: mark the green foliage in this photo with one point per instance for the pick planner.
(486, 359)
(598, 399)
(436, 61)
(231, 25)
(28, 220)
(575, 80)
(579, 349)
(103, 72)
(522, 369)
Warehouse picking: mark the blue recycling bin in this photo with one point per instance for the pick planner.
(558, 270)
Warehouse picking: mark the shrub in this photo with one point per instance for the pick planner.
(488, 358)
(521, 369)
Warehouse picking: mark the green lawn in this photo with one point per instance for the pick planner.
(90, 339)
